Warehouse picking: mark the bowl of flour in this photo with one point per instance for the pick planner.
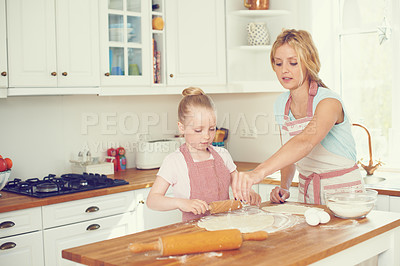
(351, 204)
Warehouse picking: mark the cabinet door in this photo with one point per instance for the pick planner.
(22, 250)
(125, 42)
(21, 221)
(148, 218)
(87, 209)
(77, 43)
(195, 38)
(63, 237)
(394, 204)
(31, 43)
(3, 50)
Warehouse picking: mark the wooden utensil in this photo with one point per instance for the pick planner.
(198, 242)
(224, 206)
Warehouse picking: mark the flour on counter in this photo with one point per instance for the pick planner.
(246, 223)
(288, 208)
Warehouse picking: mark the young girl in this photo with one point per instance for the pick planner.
(198, 172)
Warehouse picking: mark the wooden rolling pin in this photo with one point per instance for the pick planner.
(224, 206)
(198, 242)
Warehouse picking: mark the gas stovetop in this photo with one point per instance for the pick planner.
(53, 185)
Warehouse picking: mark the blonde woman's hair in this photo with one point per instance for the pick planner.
(193, 97)
(301, 41)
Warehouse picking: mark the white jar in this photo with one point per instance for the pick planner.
(257, 34)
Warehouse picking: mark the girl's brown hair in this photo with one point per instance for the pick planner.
(193, 97)
(301, 41)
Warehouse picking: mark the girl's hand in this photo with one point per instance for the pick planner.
(195, 206)
(255, 198)
(279, 195)
(242, 183)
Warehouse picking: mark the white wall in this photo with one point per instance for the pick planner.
(41, 134)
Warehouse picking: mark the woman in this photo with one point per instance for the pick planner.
(315, 129)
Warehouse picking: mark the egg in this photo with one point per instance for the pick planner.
(324, 217)
(312, 219)
(311, 210)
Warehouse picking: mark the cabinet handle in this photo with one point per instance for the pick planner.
(171, 75)
(54, 73)
(7, 245)
(64, 73)
(6, 224)
(93, 227)
(141, 201)
(107, 74)
(4, 73)
(92, 209)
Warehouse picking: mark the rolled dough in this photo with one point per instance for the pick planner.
(288, 208)
(246, 223)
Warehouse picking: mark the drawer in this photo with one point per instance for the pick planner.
(64, 237)
(21, 221)
(87, 209)
(25, 249)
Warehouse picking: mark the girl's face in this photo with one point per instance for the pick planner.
(199, 128)
(287, 67)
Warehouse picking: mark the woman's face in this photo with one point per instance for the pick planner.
(199, 128)
(287, 67)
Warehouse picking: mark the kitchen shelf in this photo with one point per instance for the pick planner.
(256, 86)
(260, 13)
(255, 47)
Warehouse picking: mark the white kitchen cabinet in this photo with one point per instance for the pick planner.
(3, 51)
(21, 237)
(394, 204)
(79, 222)
(195, 40)
(87, 209)
(22, 250)
(125, 35)
(53, 47)
(382, 203)
(21, 221)
(149, 219)
(63, 237)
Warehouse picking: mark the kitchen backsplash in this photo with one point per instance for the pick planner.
(43, 133)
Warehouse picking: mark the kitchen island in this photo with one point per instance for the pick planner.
(340, 242)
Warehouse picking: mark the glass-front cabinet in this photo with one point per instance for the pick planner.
(125, 43)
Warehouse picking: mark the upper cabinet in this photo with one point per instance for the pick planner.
(125, 43)
(53, 44)
(195, 42)
(160, 46)
(3, 51)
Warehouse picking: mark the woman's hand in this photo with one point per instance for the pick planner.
(279, 195)
(255, 198)
(242, 183)
(195, 206)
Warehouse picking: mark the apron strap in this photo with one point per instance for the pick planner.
(316, 178)
(311, 93)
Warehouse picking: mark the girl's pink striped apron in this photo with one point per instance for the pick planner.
(209, 180)
(321, 170)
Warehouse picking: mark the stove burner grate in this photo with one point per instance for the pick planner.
(52, 185)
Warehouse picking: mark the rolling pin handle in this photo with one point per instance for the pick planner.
(259, 235)
(143, 247)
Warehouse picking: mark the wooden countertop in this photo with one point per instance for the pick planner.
(299, 245)
(137, 179)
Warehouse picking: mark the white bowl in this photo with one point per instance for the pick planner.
(4, 178)
(351, 204)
